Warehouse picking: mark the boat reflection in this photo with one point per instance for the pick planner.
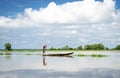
(44, 59)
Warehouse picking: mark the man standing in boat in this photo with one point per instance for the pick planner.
(44, 48)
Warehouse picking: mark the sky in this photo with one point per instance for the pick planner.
(29, 24)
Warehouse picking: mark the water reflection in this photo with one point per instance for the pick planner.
(8, 57)
(44, 61)
(86, 73)
(34, 66)
(58, 57)
(57, 66)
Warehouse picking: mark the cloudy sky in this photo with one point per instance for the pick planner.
(32, 23)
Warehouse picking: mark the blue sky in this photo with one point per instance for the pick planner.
(32, 23)
(11, 7)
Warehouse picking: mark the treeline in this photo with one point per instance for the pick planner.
(99, 46)
(26, 49)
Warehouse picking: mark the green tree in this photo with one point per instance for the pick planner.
(101, 46)
(87, 47)
(107, 48)
(117, 47)
(94, 47)
(59, 49)
(52, 48)
(8, 46)
(79, 48)
(70, 48)
(67, 48)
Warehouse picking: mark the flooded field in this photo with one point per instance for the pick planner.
(79, 65)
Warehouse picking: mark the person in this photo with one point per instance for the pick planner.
(44, 48)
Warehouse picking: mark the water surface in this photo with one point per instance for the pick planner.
(33, 65)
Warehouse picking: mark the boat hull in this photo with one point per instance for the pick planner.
(62, 54)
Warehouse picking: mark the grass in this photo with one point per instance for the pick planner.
(8, 54)
(25, 54)
(29, 54)
(98, 55)
(1, 53)
(92, 55)
(5, 54)
(81, 55)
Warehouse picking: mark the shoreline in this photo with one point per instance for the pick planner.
(60, 50)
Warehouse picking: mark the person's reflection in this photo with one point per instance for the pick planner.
(44, 62)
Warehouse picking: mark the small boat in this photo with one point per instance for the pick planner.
(60, 54)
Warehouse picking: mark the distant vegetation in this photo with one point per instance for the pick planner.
(1, 53)
(95, 47)
(98, 55)
(5, 54)
(92, 55)
(99, 46)
(117, 47)
(8, 54)
(8, 46)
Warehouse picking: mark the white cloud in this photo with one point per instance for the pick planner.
(82, 21)
(4, 37)
(23, 35)
(78, 12)
(72, 27)
(24, 41)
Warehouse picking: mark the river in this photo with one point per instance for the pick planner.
(33, 65)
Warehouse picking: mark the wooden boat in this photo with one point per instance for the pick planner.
(60, 54)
